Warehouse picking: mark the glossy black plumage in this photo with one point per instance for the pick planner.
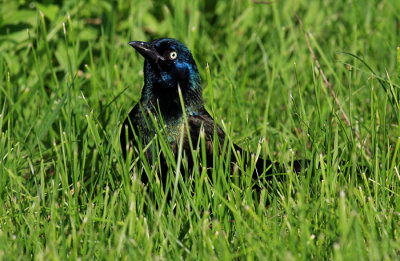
(169, 67)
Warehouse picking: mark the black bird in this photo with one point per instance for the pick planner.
(168, 68)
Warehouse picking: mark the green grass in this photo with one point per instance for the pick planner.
(67, 192)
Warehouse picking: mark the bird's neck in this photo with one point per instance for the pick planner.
(167, 101)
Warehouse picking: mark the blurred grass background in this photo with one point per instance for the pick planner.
(68, 79)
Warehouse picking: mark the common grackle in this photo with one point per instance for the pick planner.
(168, 68)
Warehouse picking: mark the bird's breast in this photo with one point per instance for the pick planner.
(174, 130)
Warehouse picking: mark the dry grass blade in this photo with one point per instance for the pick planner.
(329, 85)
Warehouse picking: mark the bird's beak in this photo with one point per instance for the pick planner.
(147, 50)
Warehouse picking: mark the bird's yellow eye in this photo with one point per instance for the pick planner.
(173, 55)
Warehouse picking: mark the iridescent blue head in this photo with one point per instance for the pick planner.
(169, 65)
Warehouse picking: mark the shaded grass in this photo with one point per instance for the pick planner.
(67, 192)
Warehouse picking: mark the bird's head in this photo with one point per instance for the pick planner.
(168, 65)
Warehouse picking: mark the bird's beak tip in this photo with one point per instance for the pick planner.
(135, 43)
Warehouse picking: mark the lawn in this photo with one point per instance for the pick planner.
(68, 78)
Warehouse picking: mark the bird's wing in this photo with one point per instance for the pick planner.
(202, 124)
(205, 121)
